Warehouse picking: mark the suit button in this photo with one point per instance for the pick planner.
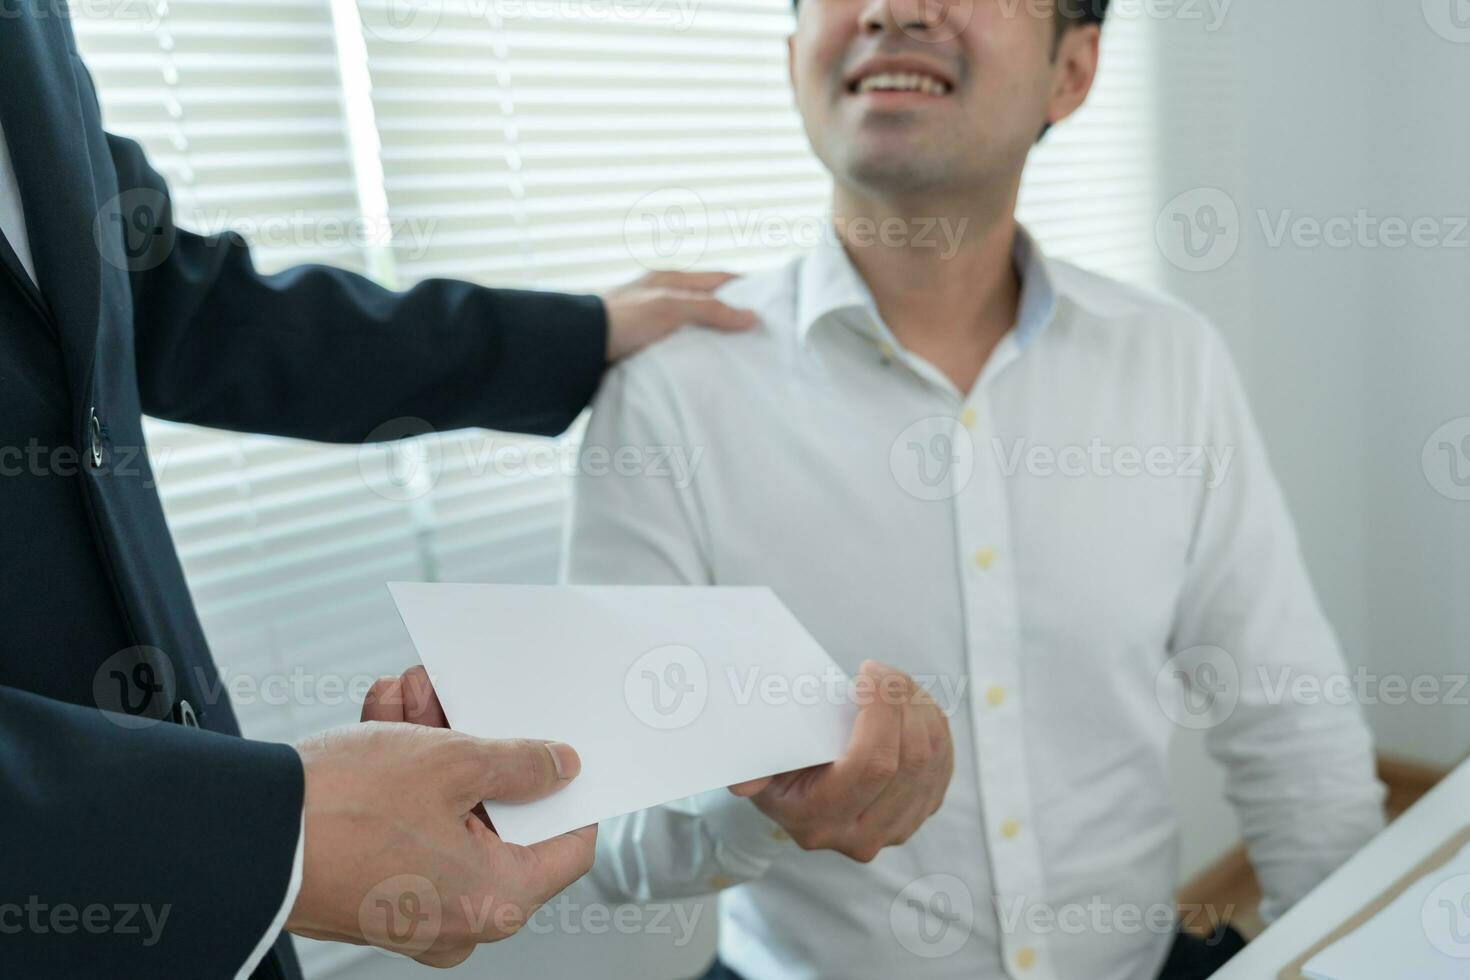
(186, 715)
(96, 431)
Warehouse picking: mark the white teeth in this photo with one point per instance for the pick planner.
(903, 82)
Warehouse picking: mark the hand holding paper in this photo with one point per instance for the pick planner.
(891, 779)
(392, 857)
(615, 672)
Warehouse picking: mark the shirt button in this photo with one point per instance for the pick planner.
(780, 835)
(1010, 829)
(720, 882)
(967, 418)
(886, 349)
(985, 557)
(1025, 957)
(94, 426)
(996, 696)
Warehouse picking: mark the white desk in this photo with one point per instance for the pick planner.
(1389, 856)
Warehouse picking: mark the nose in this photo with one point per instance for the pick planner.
(876, 17)
(912, 17)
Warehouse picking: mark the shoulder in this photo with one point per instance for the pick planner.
(695, 355)
(1131, 316)
(1113, 301)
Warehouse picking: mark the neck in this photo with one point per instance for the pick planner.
(940, 271)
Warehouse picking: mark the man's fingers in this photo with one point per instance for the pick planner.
(562, 860)
(946, 770)
(701, 282)
(706, 311)
(446, 957)
(420, 703)
(904, 803)
(873, 753)
(518, 769)
(943, 743)
(384, 701)
(534, 874)
(751, 786)
(409, 698)
(918, 751)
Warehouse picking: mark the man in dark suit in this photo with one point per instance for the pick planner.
(149, 839)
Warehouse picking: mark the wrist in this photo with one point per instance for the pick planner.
(612, 346)
(740, 828)
(307, 917)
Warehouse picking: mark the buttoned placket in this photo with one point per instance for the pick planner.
(991, 604)
(985, 554)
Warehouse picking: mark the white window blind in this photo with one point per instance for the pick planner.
(1089, 193)
(529, 143)
(547, 142)
(239, 106)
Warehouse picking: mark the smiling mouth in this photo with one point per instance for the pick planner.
(916, 82)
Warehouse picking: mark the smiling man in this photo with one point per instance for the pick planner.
(1038, 492)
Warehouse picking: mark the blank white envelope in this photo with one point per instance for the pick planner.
(665, 692)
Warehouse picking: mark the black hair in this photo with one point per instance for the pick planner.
(1079, 13)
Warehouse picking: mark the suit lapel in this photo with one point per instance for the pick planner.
(23, 280)
(41, 111)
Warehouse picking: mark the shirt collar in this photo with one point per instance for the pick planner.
(828, 287)
(1038, 305)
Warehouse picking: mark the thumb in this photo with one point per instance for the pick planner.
(517, 770)
(751, 787)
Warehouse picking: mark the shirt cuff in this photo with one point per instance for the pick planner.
(279, 922)
(743, 835)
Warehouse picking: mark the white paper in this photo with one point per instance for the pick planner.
(665, 692)
(1424, 933)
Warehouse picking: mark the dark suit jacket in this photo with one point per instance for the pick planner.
(104, 813)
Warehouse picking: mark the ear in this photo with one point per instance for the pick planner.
(1074, 71)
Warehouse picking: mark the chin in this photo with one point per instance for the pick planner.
(893, 171)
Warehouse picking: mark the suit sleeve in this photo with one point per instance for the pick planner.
(319, 353)
(182, 879)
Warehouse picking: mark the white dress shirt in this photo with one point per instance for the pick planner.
(12, 218)
(13, 227)
(1035, 551)
(278, 924)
